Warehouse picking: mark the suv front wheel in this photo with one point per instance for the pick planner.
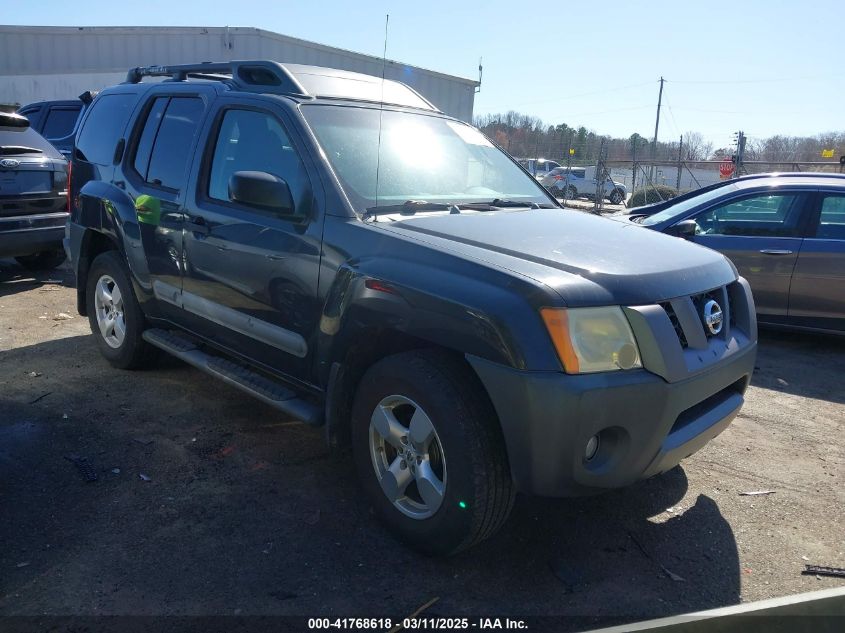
(429, 452)
(114, 314)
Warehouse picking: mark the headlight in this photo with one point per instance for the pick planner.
(588, 340)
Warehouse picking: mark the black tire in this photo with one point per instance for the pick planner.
(571, 193)
(133, 352)
(479, 492)
(45, 260)
(616, 197)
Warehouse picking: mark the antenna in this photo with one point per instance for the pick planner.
(381, 104)
(384, 54)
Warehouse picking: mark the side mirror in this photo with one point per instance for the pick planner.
(262, 190)
(685, 229)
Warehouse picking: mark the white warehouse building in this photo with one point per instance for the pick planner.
(51, 62)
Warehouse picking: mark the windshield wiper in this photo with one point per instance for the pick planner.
(499, 203)
(410, 207)
(9, 150)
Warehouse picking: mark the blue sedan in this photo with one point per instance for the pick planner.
(785, 234)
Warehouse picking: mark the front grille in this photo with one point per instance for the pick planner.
(686, 314)
(676, 324)
(731, 311)
(700, 300)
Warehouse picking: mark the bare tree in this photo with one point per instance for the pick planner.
(695, 147)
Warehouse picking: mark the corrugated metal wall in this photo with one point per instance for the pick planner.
(38, 63)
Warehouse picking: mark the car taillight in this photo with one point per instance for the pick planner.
(69, 172)
(558, 177)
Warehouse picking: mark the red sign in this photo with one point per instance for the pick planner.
(726, 169)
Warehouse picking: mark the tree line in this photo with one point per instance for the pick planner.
(526, 136)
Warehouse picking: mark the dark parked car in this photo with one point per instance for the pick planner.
(786, 235)
(654, 207)
(57, 121)
(33, 195)
(335, 246)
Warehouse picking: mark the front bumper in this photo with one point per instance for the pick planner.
(31, 234)
(646, 424)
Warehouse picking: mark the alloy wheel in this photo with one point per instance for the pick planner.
(108, 304)
(407, 457)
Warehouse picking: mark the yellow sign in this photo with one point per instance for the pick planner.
(827, 153)
(572, 151)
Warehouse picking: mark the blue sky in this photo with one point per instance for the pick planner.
(767, 67)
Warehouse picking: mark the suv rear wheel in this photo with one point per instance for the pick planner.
(45, 260)
(429, 452)
(114, 314)
(616, 196)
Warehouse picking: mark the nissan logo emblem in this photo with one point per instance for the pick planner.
(9, 163)
(713, 317)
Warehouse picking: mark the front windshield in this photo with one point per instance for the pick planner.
(680, 208)
(423, 157)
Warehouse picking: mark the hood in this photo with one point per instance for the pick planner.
(587, 260)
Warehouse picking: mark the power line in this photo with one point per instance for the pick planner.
(755, 81)
(582, 94)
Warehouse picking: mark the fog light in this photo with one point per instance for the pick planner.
(592, 447)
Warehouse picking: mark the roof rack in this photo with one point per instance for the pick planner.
(268, 76)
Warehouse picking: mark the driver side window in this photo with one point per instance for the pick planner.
(255, 141)
(764, 215)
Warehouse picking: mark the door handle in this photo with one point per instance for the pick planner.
(775, 251)
(197, 224)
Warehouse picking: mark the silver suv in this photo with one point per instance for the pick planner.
(574, 182)
(538, 167)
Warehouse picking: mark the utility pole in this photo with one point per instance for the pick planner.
(680, 162)
(568, 167)
(740, 153)
(656, 128)
(634, 165)
(601, 178)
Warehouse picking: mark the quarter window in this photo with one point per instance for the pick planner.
(103, 128)
(254, 141)
(60, 122)
(766, 215)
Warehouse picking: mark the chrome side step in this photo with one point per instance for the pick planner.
(257, 385)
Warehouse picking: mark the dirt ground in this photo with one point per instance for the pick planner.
(246, 512)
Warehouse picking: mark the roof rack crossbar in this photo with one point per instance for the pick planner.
(261, 74)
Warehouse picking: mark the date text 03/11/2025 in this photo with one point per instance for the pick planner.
(431, 624)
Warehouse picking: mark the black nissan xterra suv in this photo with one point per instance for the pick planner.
(335, 246)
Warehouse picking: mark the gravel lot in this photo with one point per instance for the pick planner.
(246, 512)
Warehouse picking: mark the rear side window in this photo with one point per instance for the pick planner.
(174, 140)
(103, 128)
(148, 135)
(60, 122)
(832, 219)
